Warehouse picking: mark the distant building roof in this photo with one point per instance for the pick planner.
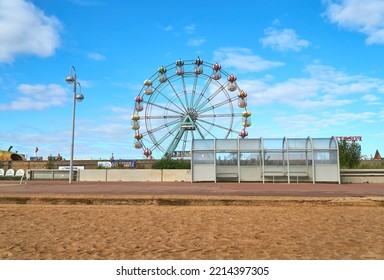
(377, 155)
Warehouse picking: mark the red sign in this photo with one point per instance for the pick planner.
(349, 138)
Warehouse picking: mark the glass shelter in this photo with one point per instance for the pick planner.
(266, 160)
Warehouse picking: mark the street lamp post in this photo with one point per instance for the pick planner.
(76, 97)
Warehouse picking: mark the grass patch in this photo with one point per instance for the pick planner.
(371, 164)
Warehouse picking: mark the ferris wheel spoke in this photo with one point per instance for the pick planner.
(177, 95)
(157, 143)
(185, 91)
(164, 117)
(220, 115)
(199, 126)
(229, 129)
(160, 127)
(217, 105)
(199, 130)
(161, 107)
(156, 146)
(167, 98)
(194, 89)
(211, 97)
(202, 93)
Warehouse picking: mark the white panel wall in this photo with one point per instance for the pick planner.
(326, 173)
(204, 172)
(250, 173)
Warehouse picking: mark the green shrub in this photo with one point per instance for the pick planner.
(167, 163)
(349, 154)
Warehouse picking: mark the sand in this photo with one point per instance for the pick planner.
(297, 231)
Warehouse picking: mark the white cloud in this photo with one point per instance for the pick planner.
(196, 42)
(167, 28)
(311, 124)
(283, 40)
(121, 110)
(346, 117)
(339, 83)
(364, 16)
(371, 99)
(37, 97)
(325, 87)
(96, 56)
(25, 29)
(190, 29)
(243, 60)
(325, 72)
(134, 87)
(111, 130)
(120, 113)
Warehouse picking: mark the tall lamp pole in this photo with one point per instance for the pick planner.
(71, 79)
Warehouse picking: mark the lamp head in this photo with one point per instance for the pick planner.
(79, 97)
(69, 79)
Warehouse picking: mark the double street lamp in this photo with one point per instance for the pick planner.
(71, 79)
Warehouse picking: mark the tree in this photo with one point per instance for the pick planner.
(349, 154)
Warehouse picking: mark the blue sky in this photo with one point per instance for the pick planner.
(310, 67)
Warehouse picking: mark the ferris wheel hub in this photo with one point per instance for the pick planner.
(193, 114)
(189, 120)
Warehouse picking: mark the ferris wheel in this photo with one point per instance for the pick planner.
(185, 100)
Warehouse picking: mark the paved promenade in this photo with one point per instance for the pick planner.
(196, 189)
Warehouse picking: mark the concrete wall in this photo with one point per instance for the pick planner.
(362, 176)
(177, 175)
(134, 175)
(92, 175)
(153, 175)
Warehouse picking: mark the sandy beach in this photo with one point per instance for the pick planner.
(289, 230)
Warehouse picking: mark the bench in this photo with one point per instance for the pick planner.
(227, 176)
(298, 174)
(274, 174)
(284, 174)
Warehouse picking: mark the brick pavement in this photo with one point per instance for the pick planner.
(187, 188)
